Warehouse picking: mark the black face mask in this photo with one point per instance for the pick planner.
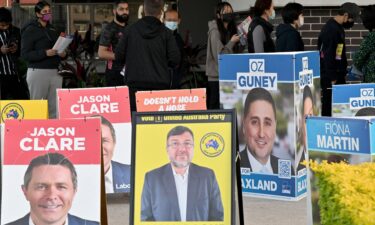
(228, 17)
(122, 18)
(348, 25)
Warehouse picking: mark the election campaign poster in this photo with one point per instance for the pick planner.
(171, 100)
(23, 109)
(111, 104)
(51, 171)
(353, 100)
(335, 140)
(184, 168)
(272, 93)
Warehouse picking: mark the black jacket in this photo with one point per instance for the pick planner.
(147, 49)
(268, 45)
(35, 40)
(8, 62)
(333, 62)
(288, 39)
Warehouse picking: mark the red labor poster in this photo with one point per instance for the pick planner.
(171, 100)
(111, 104)
(51, 172)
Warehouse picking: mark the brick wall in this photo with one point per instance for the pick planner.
(315, 18)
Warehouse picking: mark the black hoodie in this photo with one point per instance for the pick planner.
(288, 39)
(147, 48)
(35, 40)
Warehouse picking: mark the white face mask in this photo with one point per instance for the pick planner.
(273, 15)
(172, 25)
(301, 20)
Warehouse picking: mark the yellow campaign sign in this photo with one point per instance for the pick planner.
(211, 148)
(23, 109)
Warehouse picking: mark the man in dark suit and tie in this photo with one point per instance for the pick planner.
(181, 190)
(259, 130)
(50, 184)
(117, 175)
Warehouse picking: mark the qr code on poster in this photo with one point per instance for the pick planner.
(285, 168)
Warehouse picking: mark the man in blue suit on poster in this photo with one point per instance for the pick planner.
(181, 190)
(117, 175)
(50, 184)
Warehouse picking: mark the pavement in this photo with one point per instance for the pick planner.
(257, 211)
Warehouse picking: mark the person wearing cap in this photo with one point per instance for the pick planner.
(331, 44)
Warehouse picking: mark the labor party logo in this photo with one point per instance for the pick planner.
(212, 144)
(12, 111)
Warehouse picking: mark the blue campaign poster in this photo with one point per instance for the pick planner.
(339, 135)
(352, 99)
(349, 140)
(272, 93)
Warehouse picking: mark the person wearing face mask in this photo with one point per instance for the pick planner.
(260, 29)
(148, 49)
(37, 39)
(331, 44)
(222, 39)
(288, 39)
(109, 39)
(171, 20)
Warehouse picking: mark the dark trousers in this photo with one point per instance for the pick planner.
(12, 88)
(114, 78)
(213, 95)
(326, 95)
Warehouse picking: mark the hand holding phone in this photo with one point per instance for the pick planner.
(4, 49)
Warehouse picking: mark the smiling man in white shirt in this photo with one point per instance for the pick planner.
(259, 130)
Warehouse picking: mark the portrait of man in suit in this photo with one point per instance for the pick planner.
(117, 175)
(307, 109)
(259, 131)
(50, 184)
(181, 190)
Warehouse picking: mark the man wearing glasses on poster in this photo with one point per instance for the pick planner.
(181, 190)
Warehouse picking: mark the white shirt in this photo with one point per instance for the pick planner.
(181, 182)
(32, 223)
(108, 181)
(258, 167)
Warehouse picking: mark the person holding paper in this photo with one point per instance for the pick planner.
(50, 184)
(222, 39)
(38, 38)
(181, 190)
(109, 38)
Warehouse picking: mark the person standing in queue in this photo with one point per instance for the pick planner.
(222, 39)
(260, 29)
(37, 40)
